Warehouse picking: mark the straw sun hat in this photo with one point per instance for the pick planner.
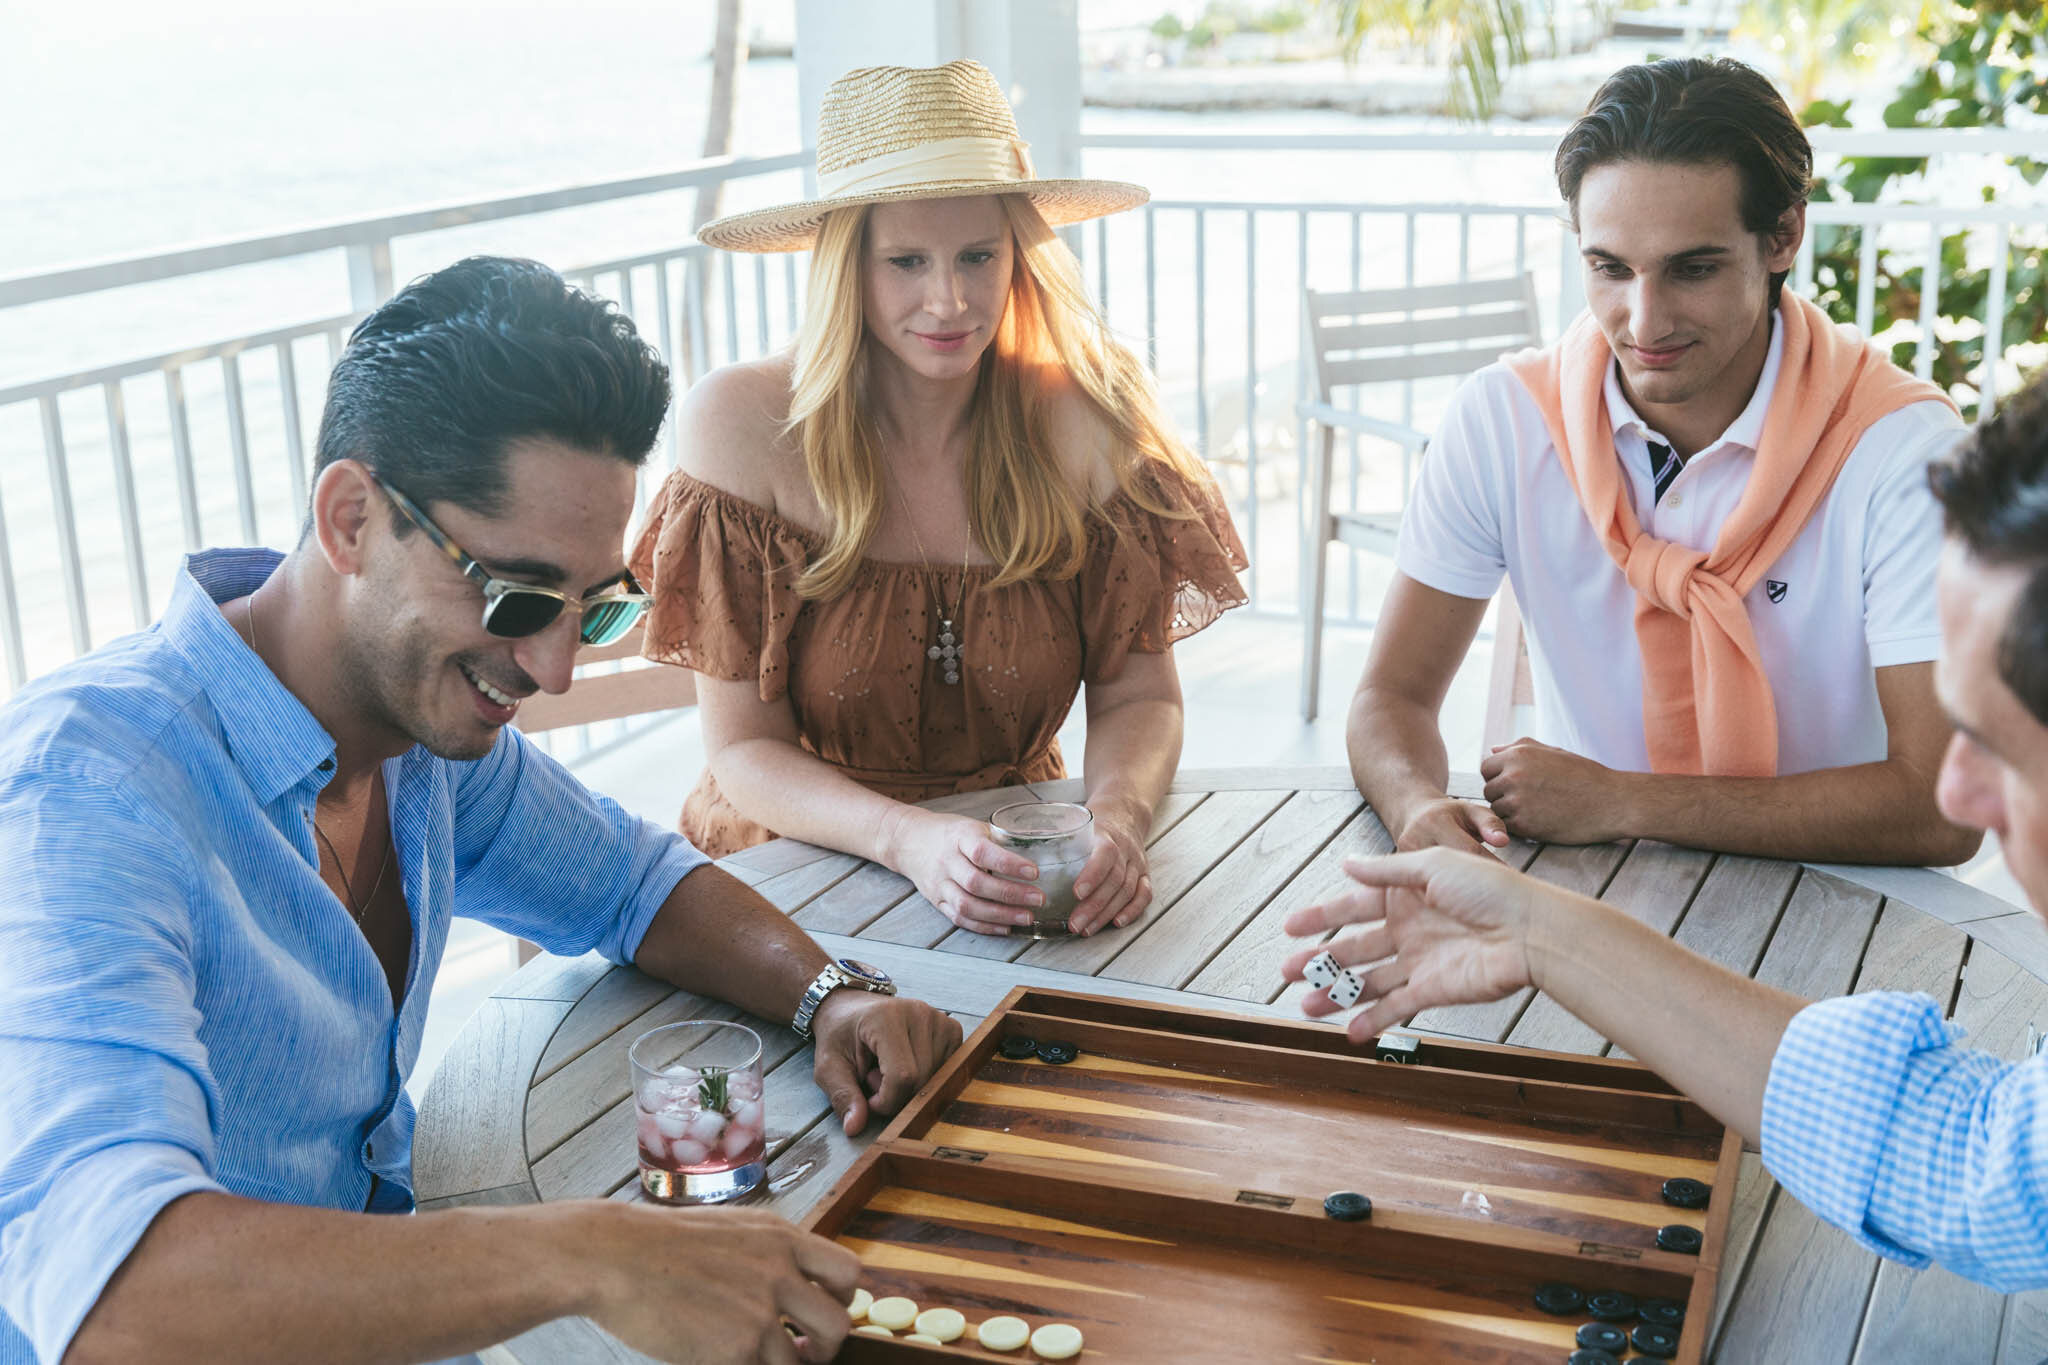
(910, 132)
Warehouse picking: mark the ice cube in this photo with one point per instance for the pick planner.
(749, 1113)
(705, 1127)
(738, 1138)
(651, 1136)
(744, 1085)
(673, 1121)
(688, 1153)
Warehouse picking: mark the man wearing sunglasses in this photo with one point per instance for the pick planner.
(230, 848)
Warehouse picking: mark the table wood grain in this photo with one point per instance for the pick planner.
(533, 1102)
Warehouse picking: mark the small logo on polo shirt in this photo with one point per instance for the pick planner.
(1774, 590)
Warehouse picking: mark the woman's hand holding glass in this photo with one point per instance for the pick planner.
(960, 869)
(1115, 884)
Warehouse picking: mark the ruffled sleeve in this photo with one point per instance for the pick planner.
(1149, 578)
(721, 572)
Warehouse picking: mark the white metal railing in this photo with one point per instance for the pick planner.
(143, 460)
(147, 459)
(1221, 400)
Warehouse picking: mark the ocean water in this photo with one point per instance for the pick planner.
(140, 127)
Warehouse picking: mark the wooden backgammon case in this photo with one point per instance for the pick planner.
(1165, 1192)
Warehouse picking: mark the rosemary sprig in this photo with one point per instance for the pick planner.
(711, 1090)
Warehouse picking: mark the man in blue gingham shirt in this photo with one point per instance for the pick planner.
(230, 848)
(1869, 1108)
(1880, 1121)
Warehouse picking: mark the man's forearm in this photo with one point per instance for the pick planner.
(1397, 754)
(717, 936)
(218, 1277)
(1870, 813)
(1709, 1031)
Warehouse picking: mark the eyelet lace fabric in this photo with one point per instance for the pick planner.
(865, 696)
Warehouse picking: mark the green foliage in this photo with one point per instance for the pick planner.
(1480, 39)
(1990, 60)
(1813, 38)
(1281, 19)
(1221, 18)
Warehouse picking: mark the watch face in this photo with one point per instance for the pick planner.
(862, 971)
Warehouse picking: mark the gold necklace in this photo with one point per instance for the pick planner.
(357, 909)
(947, 652)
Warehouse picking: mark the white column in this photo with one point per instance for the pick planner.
(1032, 46)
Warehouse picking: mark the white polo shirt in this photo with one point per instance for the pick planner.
(1854, 592)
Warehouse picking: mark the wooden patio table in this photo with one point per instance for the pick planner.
(532, 1101)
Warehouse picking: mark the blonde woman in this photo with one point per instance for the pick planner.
(896, 552)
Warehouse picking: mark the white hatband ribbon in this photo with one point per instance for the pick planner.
(998, 160)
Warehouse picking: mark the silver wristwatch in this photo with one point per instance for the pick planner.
(844, 972)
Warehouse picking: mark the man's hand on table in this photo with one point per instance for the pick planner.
(1448, 822)
(1554, 796)
(874, 1051)
(711, 1286)
(1444, 927)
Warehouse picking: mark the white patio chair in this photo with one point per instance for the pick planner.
(1510, 687)
(610, 683)
(1384, 336)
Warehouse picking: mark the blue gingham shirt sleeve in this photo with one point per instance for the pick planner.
(540, 855)
(108, 1114)
(1925, 1151)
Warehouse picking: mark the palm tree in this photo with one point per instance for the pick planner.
(728, 54)
(1481, 39)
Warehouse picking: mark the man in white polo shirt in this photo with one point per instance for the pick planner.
(1712, 506)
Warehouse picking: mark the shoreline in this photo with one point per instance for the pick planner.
(1545, 91)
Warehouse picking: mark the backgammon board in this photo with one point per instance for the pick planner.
(1162, 1178)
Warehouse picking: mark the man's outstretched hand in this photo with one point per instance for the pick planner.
(1442, 927)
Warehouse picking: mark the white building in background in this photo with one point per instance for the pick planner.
(1032, 46)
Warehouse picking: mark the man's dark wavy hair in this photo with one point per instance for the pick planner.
(1697, 111)
(1994, 499)
(435, 385)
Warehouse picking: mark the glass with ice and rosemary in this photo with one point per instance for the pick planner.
(701, 1123)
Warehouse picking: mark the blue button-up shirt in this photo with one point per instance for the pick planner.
(184, 1005)
(1923, 1150)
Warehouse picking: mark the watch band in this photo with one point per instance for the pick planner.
(823, 984)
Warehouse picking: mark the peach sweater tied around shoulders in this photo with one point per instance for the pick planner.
(1707, 706)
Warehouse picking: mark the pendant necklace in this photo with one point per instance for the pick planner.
(947, 652)
(356, 908)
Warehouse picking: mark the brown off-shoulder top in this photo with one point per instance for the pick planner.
(866, 697)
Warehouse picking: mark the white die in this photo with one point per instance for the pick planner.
(1349, 986)
(1322, 970)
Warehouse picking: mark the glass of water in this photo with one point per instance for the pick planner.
(1058, 836)
(701, 1121)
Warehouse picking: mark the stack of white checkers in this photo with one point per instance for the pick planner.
(939, 1326)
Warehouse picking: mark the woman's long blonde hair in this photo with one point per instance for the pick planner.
(1021, 506)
